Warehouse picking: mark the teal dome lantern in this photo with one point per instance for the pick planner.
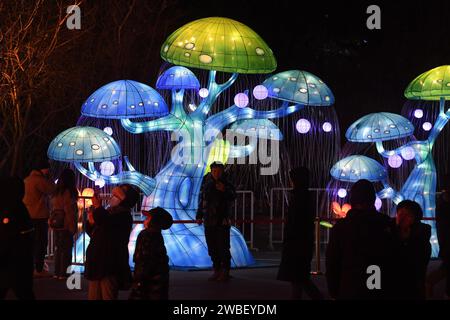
(83, 144)
(380, 126)
(299, 87)
(356, 167)
(259, 128)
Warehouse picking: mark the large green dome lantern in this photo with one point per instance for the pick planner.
(430, 85)
(219, 44)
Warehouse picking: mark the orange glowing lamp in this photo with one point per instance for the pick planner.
(339, 211)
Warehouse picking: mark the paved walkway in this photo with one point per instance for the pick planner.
(252, 283)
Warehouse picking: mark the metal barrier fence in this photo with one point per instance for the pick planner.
(243, 209)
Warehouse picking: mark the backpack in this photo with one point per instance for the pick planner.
(56, 220)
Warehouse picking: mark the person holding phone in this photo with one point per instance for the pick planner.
(107, 267)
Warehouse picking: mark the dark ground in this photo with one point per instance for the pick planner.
(247, 284)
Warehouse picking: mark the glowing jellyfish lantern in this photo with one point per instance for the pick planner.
(124, 99)
(380, 126)
(258, 128)
(432, 85)
(356, 167)
(300, 87)
(83, 144)
(177, 78)
(303, 126)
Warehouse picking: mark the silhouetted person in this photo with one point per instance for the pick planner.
(151, 263)
(443, 235)
(16, 241)
(38, 188)
(64, 214)
(412, 251)
(216, 197)
(362, 239)
(107, 264)
(298, 244)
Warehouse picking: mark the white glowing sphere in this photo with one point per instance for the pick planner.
(327, 127)
(100, 182)
(378, 203)
(303, 126)
(107, 168)
(203, 92)
(260, 92)
(342, 193)
(418, 113)
(108, 131)
(241, 100)
(427, 126)
(395, 161)
(408, 153)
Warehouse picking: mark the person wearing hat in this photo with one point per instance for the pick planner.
(214, 210)
(38, 188)
(151, 263)
(107, 260)
(360, 243)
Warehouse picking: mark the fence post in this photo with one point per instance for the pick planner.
(252, 216)
(271, 218)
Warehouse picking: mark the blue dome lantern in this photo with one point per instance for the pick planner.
(176, 78)
(125, 99)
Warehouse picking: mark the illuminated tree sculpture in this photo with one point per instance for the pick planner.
(420, 185)
(213, 44)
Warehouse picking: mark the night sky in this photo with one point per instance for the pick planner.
(367, 70)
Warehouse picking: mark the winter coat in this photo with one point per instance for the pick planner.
(443, 226)
(411, 257)
(215, 205)
(16, 236)
(68, 204)
(362, 239)
(37, 190)
(107, 253)
(298, 245)
(150, 256)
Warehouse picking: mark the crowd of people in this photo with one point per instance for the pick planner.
(369, 255)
